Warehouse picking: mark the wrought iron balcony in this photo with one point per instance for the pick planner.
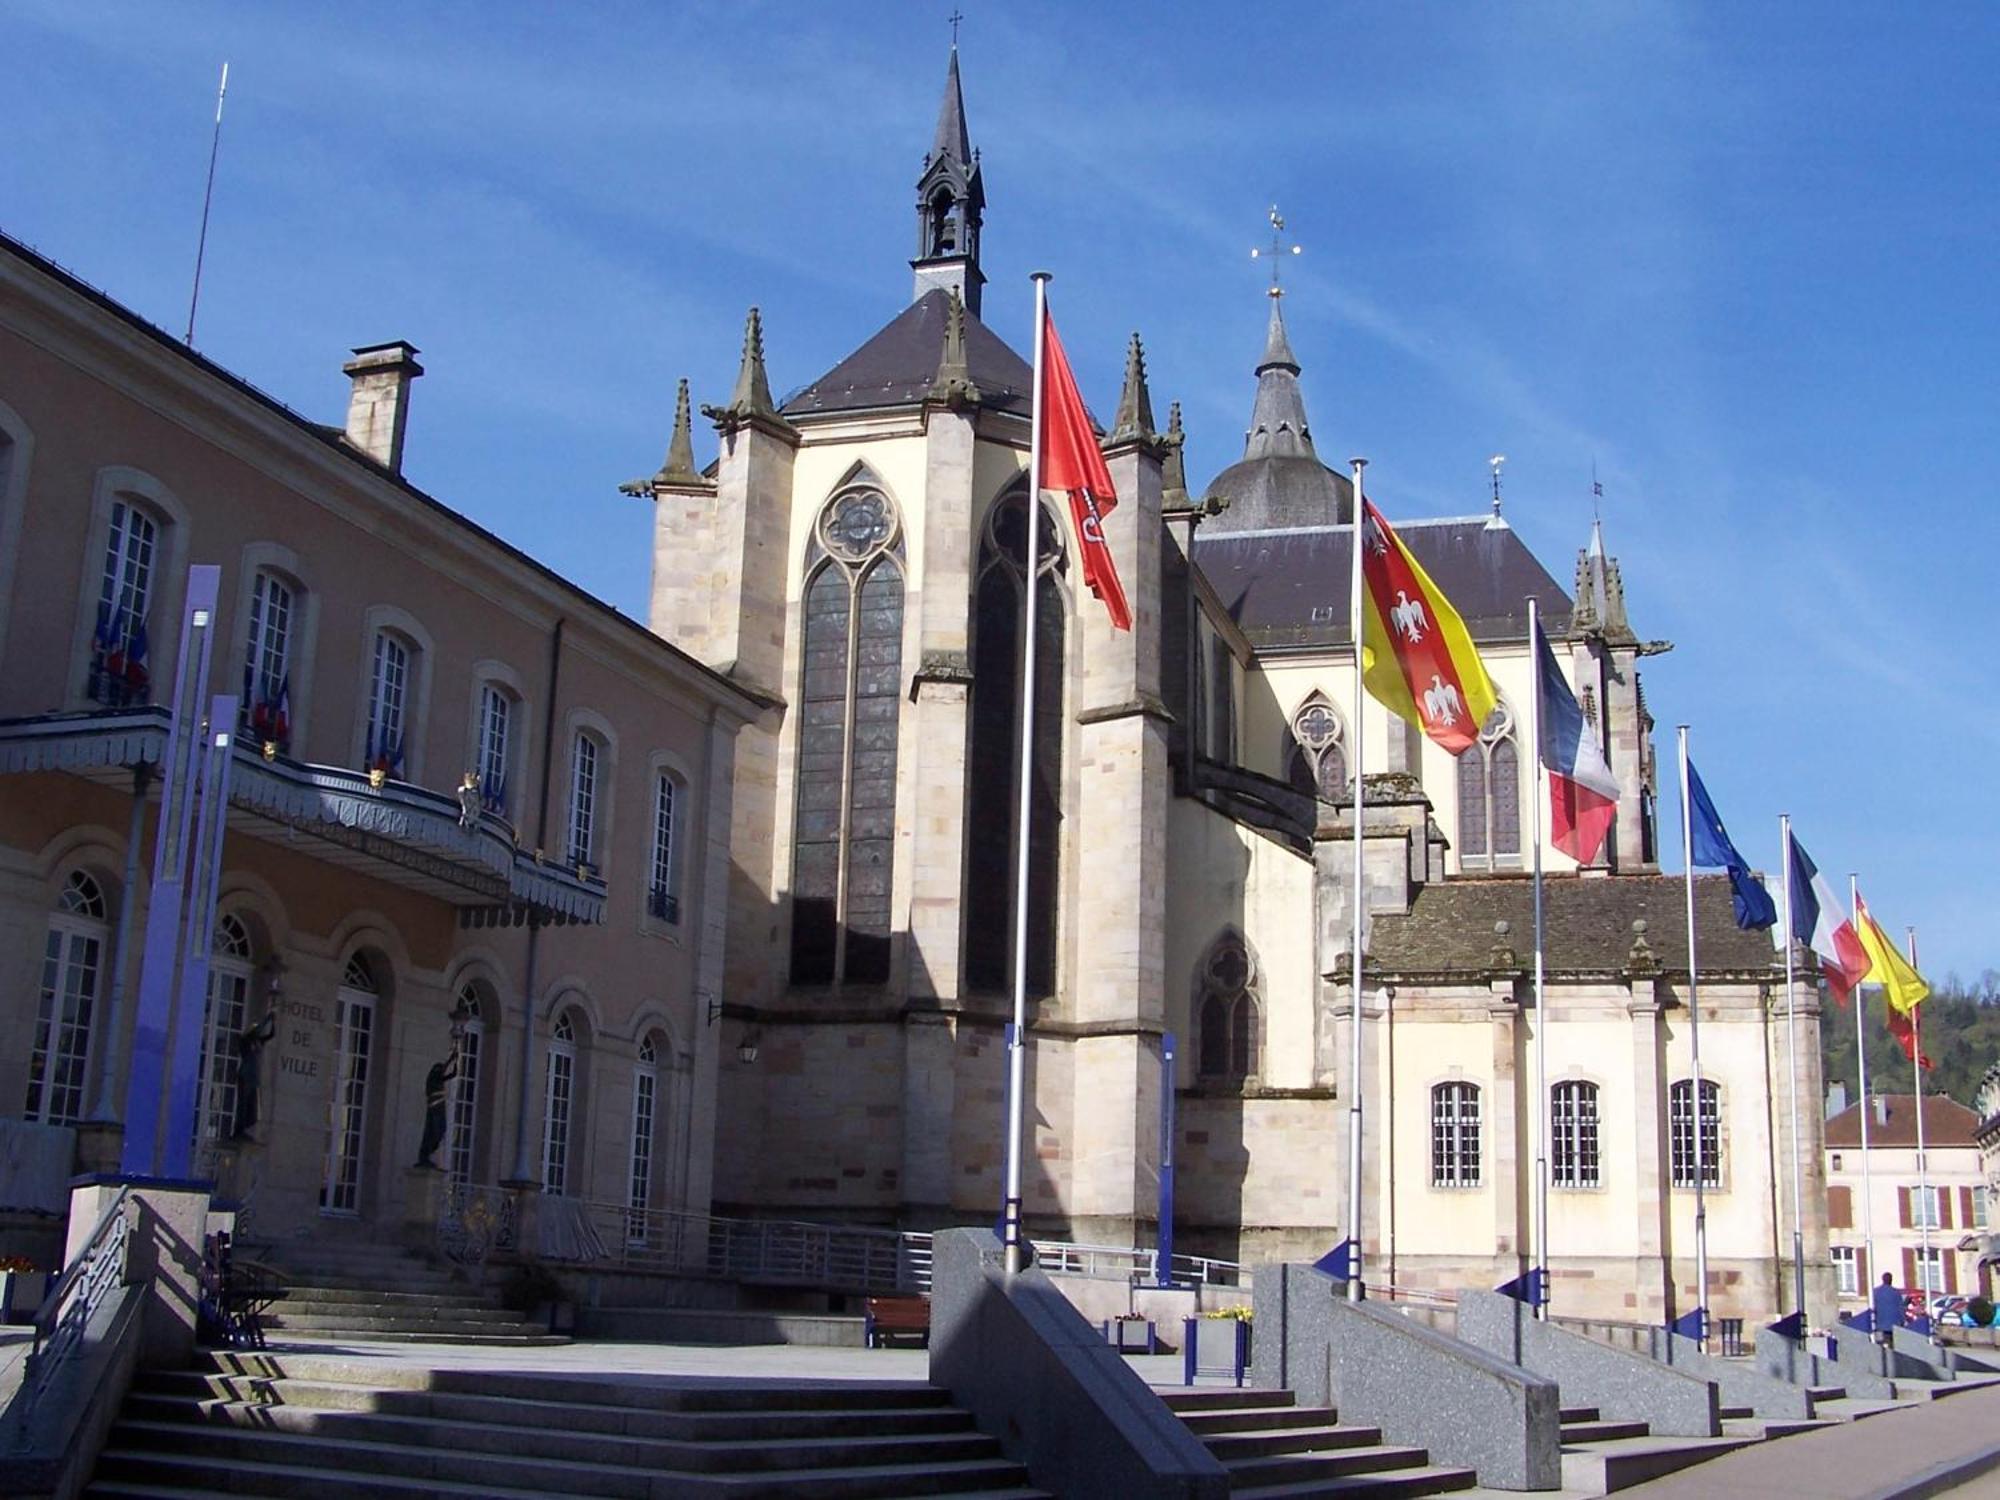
(663, 904)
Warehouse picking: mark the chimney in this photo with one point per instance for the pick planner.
(378, 411)
(1836, 1098)
(1881, 1102)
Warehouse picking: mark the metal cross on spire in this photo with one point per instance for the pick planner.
(954, 18)
(1494, 463)
(1277, 251)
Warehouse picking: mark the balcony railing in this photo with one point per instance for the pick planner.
(663, 904)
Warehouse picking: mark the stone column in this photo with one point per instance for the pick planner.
(1117, 984)
(1652, 1230)
(711, 934)
(1514, 1105)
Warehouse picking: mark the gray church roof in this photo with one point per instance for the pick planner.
(1589, 921)
(898, 365)
(1288, 586)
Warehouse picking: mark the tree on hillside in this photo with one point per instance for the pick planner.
(1960, 1025)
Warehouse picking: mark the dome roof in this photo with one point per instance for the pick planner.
(1279, 482)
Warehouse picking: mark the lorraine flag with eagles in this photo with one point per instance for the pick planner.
(1073, 463)
(1418, 659)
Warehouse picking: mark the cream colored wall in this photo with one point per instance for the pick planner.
(1276, 686)
(1222, 875)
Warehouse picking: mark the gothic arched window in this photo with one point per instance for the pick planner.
(1489, 797)
(1228, 1013)
(993, 814)
(1317, 764)
(844, 836)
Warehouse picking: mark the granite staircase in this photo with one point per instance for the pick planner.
(323, 1428)
(347, 1292)
(1275, 1448)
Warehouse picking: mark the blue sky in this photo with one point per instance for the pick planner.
(1740, 258)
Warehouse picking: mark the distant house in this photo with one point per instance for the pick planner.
(1925, 1216)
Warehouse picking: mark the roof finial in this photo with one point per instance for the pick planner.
(954, 18)
(751, 400)
(953, 384)
(1494, 463)
(678, 472)
(1173, 472)
(1277, 251)
(1134, 421)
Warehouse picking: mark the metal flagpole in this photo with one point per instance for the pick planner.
(1017, 1035)
(1694, 1048)
(1360, 907)
(1923, 1160)
(1792, 1047)
(1541, 1119)
(207, 197)
(1861, 1063)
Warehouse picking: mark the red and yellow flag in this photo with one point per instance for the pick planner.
(1418, 659)
(1902, 986)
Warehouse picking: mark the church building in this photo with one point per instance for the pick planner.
(856, 559)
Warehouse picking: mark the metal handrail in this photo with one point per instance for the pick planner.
(66, 1312)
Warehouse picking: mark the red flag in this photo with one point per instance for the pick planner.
(1902, 1026)
(1072, 462)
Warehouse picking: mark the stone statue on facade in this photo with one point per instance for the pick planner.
(437, 1099)
(249, 1052)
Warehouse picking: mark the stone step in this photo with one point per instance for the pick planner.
(1192, 1398)
(1599, 1431)
(730, 1426)
(368, 1327)
(621, 1392)
(315, 1338)
(1579, 1414)
(1297, 1468)
(215, 1429)
(1430, 1479)
(1730, 1413)
(307, 1310)
(1620, 1463)
(1232, 1446)
(1205, 1424)
(300, 1292)
(271, 1465)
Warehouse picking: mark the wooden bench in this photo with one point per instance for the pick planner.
(895, 1317)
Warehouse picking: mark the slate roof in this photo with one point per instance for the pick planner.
(1588, 920)
(1946, 1123)
(1288, 587)
(896, 366)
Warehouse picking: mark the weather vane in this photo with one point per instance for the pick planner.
(1277, 250)
(954, 18)
(1494, 463)
(1596, 494)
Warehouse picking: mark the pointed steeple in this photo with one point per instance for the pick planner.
(679, 471)
(951, 139)
(950, 203)
(1173, 472)
(1278, 427)
(751, 400)
(1277, 346)
(1600, 594)
(1134, 421)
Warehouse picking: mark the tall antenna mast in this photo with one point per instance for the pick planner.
(207, 197)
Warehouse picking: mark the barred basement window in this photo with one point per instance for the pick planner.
(1455, 1135)
(1573, 1159)
(1681, 1130)
(999, 609)
(843, 839)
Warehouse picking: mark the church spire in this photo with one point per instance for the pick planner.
(1134, 421)
(1278, 419)
(950, 203)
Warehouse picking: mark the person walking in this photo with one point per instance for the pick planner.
(1887, 1305)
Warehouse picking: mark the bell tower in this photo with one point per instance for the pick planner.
(951, 200)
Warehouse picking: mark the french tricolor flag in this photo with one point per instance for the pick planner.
(1819, 923)
(1583, 794)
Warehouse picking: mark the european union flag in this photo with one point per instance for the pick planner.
(1713, 850)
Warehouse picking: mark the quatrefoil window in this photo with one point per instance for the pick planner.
(857, 525)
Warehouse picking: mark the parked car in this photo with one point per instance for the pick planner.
(1949, 1311)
